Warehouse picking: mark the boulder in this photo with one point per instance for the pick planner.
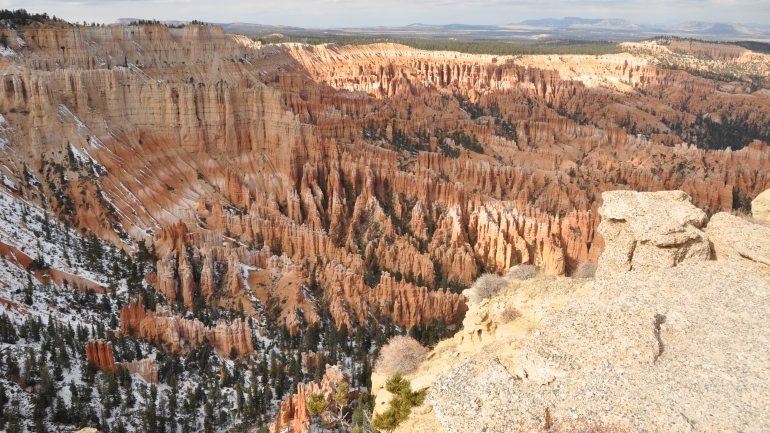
(734, 236)
(650, 230)
(760, 207)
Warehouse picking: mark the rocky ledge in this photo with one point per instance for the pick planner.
(671, 336)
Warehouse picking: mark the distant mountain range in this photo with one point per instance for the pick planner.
(554, 28)
(690, 28)
(575, 22)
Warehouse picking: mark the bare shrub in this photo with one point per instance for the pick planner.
(747, 216)
(509, 314)
(585, 270)
(522, 272)
(402, 355)
(486, 286)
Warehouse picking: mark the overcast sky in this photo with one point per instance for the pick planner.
(365, 13)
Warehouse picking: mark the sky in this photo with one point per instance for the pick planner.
(370, 13)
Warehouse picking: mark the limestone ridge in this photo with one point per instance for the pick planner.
(669, 337)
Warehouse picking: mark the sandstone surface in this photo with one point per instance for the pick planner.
(760, 207)
(664, 348)
(644, 231)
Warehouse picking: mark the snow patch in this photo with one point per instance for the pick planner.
(8, 183)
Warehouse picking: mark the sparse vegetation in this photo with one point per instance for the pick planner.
(402, 354)
(404, 399)
(522, 272)
(480, 46)
(486, 286)
(316, 405)
(509, 314)
(585, 270)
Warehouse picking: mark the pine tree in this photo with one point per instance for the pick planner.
(172, 405)
(28, 290)
(316, 405)
(3, 403)
(47, 386)
(208, 418)
(150, 417)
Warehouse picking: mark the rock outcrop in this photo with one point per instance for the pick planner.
(99, 353)
(164, 327)
(735, 237)
(293, 412)
(614, 353)
(645, 231)
(760, 207)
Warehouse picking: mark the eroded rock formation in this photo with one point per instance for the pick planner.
(177, 332)
(146, 368)
(644, 231)
(388, 173)
(293, 412)
(99, 353)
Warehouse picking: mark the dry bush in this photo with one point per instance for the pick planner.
(585, 270)
(522, 272)
(486, 286)
(402, 355)
(509, 314)
(740, 213)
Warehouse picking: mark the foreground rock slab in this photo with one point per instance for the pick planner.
(679, 349)
(669, 349)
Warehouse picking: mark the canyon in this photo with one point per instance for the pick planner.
(374, 166)
(199, 193)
